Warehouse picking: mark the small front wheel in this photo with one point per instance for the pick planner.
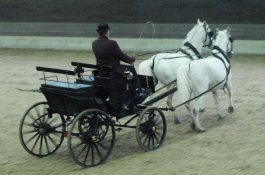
(151, 128)
(91, 138)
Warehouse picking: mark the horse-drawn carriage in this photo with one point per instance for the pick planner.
(82, 111)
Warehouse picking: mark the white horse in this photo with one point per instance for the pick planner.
(164, 66)
(209, 74)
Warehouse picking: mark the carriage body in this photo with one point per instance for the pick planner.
(82, 111)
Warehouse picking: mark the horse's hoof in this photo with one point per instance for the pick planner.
(201, 129)
(230, 109)
(202, 110)
(220, 116)
(176, 121)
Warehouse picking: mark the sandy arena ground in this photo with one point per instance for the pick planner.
(232, 146)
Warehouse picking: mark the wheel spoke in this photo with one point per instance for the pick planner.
(99, 153)
(149, 141)
(153, 142)
(145, 140)
(40, 150)
(155, 137)
(33, 119)
(57, 133)
(29, 124)
(102, 146)
(92, 154)
(34, 145)
(81, 151)
(46, 143)
(52, 120)
(88, 149)
(29, 132)
(51, 139)
(31, 138)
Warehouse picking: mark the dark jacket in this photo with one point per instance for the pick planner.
(108, 53)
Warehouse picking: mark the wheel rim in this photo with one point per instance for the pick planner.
(151, 129)
(41, 133)
(91, 138)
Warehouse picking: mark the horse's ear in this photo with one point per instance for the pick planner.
(228, 29)
(198, 21)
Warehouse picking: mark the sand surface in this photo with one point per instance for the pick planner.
(232, 146)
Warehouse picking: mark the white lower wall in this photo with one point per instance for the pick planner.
(126, 44)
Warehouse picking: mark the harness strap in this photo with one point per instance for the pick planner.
(222, 52)
(188, 44)
(186, 53)
(152, 68)
(220, 58)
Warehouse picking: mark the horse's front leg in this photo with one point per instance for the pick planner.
(230, 95)
(216, 100)
(174, 113)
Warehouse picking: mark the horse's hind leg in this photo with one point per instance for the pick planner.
(230, 95)
(216, 100)
(196, 118)
(174, 113)
(202, 107)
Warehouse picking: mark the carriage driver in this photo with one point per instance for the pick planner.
(108, 53)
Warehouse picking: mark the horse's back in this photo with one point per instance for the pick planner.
(207, 72)
(167, 66)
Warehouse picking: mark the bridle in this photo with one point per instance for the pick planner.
(230, 53)
(208, 36)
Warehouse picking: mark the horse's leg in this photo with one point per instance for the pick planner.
(230, 95)
(174, 113)
(195, 116)
(202, 107)
(216, 100)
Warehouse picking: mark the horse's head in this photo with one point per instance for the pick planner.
(224, 41)
(201, 32)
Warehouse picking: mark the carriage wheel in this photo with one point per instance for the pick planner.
(41, 133)
(151, 128)
(91, 138)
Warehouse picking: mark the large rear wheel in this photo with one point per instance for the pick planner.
(91, 138)
(41, 133)
(151, 128)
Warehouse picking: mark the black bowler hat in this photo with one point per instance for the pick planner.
(103, 27)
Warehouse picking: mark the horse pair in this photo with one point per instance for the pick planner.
(195, 76)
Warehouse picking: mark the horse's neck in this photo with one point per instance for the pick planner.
(196, 41)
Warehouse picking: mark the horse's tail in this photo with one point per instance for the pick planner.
(184, 84)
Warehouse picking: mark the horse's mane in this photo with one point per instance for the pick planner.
(191, 32)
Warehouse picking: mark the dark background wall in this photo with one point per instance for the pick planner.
(172, 18)
(133, 11)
